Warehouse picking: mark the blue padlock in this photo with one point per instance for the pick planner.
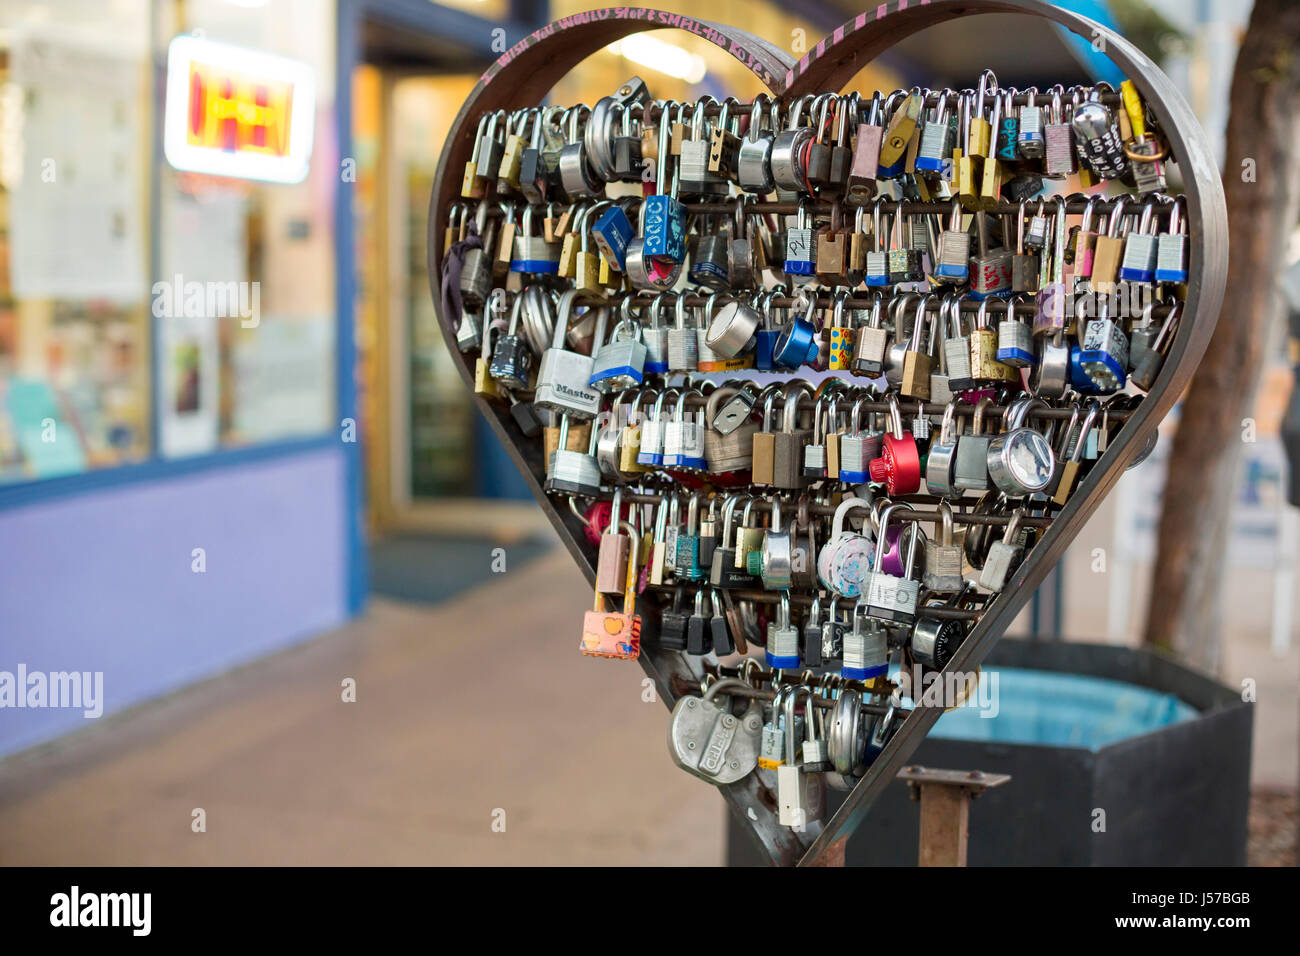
(612, 232)
(797, 343)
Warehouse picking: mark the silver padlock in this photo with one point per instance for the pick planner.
(707, 740)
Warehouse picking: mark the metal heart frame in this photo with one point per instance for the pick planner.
(526, 72)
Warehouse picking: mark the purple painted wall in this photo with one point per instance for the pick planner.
(103, 581)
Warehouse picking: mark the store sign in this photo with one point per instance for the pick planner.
(237, 112)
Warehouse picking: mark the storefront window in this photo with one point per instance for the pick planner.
(141, 302)
(75, 134)
(261, 367)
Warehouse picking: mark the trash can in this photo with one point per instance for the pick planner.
(1118, 757)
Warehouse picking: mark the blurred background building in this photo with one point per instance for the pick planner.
(217, 490)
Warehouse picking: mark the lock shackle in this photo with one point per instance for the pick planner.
(945, 523)
(821, 107)
(895, 417)
(788, 708)
(795, 392)
(982, 314)
(1147, 220)
(665, 151)
(810, 310)
(728, 516)
(1089, 419)
(565, 315)
(898, 312)
(775, 515)
(766, 397)
(756, 116)
(679, 311)
(1116, 217)
(948, 424)
(1020, 417)
(875, 224)
(921, 321)
(726, 684)
(679, 410)
(616, 509)
(845, 506)
(838, 301)
(1177, 216)
(796, 110)
(1171, 319)
(977, 419)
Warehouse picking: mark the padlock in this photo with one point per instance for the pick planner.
(1030, 143)
(980, 138)
(832, 249)
(1007, 129)
(889, 597)
(941, 458)
(917, 364)
(1058, 142)
(577, 177)
(512, 359)
(1138, 263)
(533, 254)
(573, 472)
(844, 563)
(799, 259)
(865, 648)
(664, 218)
(687, 565)
(956, 346)
(971, 471)
(772, 562)
(877, 259)
(754, 159)
(854, 451)
(899, 132)
(870, 342)
(1069, 469)
(904, 263)
(563, 377)
(984, 365)
(1024, 265)
(797, 343)
(1144, 375)
(787, 449)
(620, 362)
(1004, 556)
(684, 437)
(789, 150)
(732, 451)
(1171, 246)
(990, 270)
(654, 334)
(866, 154)
(819, 152)
(723, 570)
(1103, 351)
(801, 795)
(934, 640)
(771, 753)
(764, 444)
(1020, 459)
(1097, 141)
(651, 447)
(476, 271)
(707, 740)
(934, 152)
(724, 143)
(683, 347)
(782, 649)
(616, 634)
(899, 464)
(943, 558)
(693, 165)
(1145, 153)
(953, 266)
(612, 555)
(1015, 339)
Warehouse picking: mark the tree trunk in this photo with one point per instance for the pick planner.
(1261, 186)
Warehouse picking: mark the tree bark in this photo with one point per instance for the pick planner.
(1262, 190)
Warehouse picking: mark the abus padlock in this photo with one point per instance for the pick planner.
(563, 379)
(707, 740)
(899, 464)
(890, 598)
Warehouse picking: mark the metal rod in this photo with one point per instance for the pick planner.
(821, 510)
(774, 597)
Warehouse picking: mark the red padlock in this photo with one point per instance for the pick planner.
(899, 464)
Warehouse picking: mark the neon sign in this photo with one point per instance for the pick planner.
(237, 112)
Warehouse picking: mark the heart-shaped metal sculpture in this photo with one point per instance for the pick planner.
(526, 72)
